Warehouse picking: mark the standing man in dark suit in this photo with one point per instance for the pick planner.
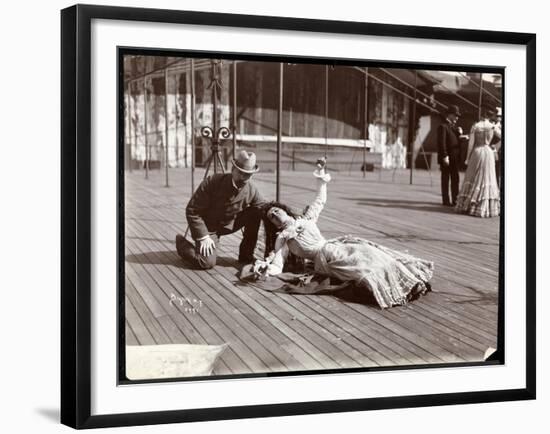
(223, 204)
(448, 155)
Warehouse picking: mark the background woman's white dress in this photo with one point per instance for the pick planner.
(479, 195)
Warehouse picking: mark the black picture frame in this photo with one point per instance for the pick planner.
(76, 215)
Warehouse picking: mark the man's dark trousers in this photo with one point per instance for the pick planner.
(249, 219)
(450, 173)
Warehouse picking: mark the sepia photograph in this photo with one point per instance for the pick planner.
(293, 216)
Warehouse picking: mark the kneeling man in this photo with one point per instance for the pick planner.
(223, 204)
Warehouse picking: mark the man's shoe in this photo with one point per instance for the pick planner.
(180, 242)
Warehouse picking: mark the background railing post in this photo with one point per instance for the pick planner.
(279, 131)
(145, 128)
(166, 128)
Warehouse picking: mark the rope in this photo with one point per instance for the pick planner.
(471, 80)
(406, 95)
(458, 95)
(414, 87)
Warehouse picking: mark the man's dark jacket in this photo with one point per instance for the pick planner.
(216, 203)
(447, 140)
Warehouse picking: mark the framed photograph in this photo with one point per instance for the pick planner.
(266, 216)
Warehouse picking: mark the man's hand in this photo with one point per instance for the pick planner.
(207, 246)
(446, 161)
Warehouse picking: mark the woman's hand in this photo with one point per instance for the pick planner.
(320, 171)
(261, 269)
(321, 163)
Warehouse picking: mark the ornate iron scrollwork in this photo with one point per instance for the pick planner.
(223, 133)
(207, 132)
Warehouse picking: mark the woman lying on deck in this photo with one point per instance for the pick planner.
(392, 277)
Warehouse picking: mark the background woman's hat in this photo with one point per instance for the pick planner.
(245, 162)
(453, 110)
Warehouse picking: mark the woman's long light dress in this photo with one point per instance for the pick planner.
(392, 277)
(479, 195)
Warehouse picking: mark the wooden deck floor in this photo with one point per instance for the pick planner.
(167, 302)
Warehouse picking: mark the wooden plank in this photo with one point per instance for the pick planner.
(236, 336)
(287, 339)
(153, 326)
(146, 283)
(190, 322)
(465, 271)
(321, 358)
(167, 324)
(131, 338)
(204, 275)
(138, 285)
(141, 332)
(467, 335)
(322, 329)
(221, 335)
(344, 341)
(460, 318)
(367, 332)
(371, 326)
(417, 337)
(439, 331)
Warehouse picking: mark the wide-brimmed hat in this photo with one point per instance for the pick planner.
(245, 162)
(487, 111)
(453, 110)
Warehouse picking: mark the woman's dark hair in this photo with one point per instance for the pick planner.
(271, 230)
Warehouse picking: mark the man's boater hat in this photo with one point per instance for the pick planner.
(245, 162)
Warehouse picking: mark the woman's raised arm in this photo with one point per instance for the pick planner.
(314, 209)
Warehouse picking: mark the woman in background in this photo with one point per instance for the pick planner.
(480, 195)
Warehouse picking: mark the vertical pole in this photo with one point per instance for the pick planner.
(215, 115)
(166, 130)
(145, 127)
(480, 95)
(413, 127)
(279, 131)
(177, 148)
(290, 121)
(366, 121)
(129, 98)
(135, 128)
(234, 108)
(326, 110)
(192, 126)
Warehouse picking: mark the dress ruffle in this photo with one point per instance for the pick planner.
(393, 277)
(480, 195)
